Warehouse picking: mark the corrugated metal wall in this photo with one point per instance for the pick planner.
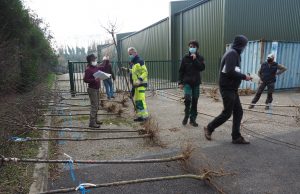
(151, 43)
(214, 23)
(251, 58)
(262, 19)
(205, 24)
(288, 54)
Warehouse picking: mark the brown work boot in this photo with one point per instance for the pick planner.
(207, 133)
(240, 140)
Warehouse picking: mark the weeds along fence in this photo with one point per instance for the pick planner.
(161, 75)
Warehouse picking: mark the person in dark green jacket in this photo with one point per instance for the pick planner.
(189, 80)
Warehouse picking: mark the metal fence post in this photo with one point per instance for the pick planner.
(71, 75)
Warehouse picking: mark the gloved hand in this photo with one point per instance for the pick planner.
(138, 82)
(125, 69)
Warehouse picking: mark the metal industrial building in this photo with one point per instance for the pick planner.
(214, 23)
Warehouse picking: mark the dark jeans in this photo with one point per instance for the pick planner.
(261, 88)
(232, 106)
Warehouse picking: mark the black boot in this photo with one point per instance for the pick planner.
(94, 126)
(187, 109)
(139, 119)
(185, 120)
(193, 123)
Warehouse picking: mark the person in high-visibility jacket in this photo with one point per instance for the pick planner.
(139, 75)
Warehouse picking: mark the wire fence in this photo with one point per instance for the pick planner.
(161, 75)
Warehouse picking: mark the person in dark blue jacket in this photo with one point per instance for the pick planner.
(267, 74)
(229, 82)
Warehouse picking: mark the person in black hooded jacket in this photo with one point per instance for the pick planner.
(229, 82)
(189, 80)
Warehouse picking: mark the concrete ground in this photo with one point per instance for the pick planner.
(270, 164)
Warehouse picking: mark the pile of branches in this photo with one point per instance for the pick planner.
(246, 92)
(212, 93)
(111, 107)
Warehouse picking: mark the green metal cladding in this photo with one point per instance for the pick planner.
(262, 19)
(151, 42)
(205, 24)
(214, 23)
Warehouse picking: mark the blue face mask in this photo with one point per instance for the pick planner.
(131, 57)
(192, 50)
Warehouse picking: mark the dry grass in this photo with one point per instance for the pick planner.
(151, 128)
(205, 168)
(120, 111)
(101, 95)
(102, 103)
(187, 151)
(246, 92)
(119, 90)
(214, 94)
(111, 108)
(175, 129)
(16, 111)
(124, 102)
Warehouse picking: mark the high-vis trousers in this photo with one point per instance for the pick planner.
(140, 102)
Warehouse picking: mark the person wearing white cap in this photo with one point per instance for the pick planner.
(107, 68)
(267, 74)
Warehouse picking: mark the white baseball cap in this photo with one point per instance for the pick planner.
(271, 56)
(105, 58)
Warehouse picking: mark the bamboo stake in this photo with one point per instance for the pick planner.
(175, 95)
(270, 139)
(69, 130)
(283, 115)
(67, 105)
(202, 177)
(68, 109)
(294, 106)
(80, 114)
(81, 139)
(171, 98)
(144, 161)
(73, 99)
(254, 111)
(59, 127)
(120, 102)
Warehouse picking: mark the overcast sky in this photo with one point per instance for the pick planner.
(78, 22)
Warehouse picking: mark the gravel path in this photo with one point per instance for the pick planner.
(270, 164)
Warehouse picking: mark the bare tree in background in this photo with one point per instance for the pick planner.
(112, 28)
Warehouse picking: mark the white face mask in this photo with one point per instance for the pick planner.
(94, 63)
